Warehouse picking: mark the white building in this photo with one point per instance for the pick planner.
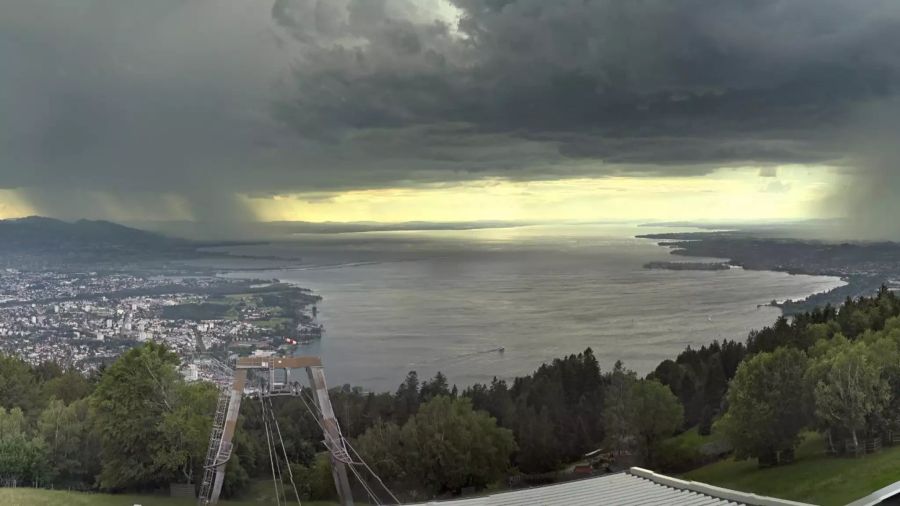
(191, 372)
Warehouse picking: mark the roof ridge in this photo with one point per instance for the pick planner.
(879, 495)
(711, 490)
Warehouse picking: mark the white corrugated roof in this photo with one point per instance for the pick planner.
(636, 487)
(876, 497)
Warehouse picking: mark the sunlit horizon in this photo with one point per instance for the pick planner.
(789, 192)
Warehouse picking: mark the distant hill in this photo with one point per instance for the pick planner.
(38, 242)
(36, 232)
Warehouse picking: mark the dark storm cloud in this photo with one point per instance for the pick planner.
(204, 99)
(749, 73)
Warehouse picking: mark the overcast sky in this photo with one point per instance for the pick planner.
(233, 110)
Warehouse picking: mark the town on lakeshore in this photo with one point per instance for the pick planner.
(87, 319)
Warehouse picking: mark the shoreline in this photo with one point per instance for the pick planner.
(854, 284)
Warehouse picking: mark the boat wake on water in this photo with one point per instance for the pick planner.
(462, 356)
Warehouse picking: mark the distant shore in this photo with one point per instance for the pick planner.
(863, 267)
(688, 266)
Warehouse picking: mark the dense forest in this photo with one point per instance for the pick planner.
(137, 425)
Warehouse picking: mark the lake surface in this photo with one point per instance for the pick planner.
(441, 301)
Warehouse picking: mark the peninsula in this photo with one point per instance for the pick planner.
(864, 266)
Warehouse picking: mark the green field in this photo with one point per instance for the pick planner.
(814, 478)
(273, 323)
(691, 440)
(257, 493)
(36, 497)
(200, 311)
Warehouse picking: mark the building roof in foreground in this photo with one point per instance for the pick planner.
(633, 487)
(887, 495)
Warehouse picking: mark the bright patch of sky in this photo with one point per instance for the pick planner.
(745, 193)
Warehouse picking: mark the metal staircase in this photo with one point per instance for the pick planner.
(217, 453)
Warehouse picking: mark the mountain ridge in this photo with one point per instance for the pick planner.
(33, 232)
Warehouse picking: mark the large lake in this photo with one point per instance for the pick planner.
(440, 301)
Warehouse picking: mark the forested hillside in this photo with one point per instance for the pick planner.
(138, 426)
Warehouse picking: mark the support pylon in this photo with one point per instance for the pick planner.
(225, 444)
(334, 441)
(333, 438)
(215, 441)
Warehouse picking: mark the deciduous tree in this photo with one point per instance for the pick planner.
(768, 405)
(654, 414)
(445, 446)
(150, 423)
(72, 444)
(848, 388)
(23, 459)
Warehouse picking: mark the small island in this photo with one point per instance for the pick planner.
(688, 266)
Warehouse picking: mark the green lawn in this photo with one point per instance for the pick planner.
(237, 297)
(35, 497)
(272, 323)
(680, 453)
(691, 439)
(814, 478)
